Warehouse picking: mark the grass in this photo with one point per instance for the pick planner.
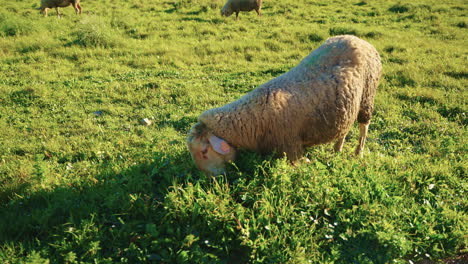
(82, 181)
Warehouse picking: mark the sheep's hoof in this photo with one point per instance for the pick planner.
(358, 153)
(301, 160)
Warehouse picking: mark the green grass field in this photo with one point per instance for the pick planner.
(82, 181)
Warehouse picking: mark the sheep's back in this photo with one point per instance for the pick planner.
(55, 3)
(244, 5)
(316, 101)
(337, 74)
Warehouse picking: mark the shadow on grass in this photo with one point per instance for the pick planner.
(202, 20)
(453, 114)
(123, 216)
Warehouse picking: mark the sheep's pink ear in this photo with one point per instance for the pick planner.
(219, 145)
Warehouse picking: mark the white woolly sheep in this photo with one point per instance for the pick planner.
(46, 4)
(314, 103)
(236, 6)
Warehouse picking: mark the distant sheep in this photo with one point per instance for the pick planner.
(314, 103)
(235, 6)
(46, 4)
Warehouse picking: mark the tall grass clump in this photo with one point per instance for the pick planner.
(11, 25)
(93, 31)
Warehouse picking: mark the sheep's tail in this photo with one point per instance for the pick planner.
(374, 69)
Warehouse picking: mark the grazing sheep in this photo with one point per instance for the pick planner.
(241, 5)
(46, 4)
(314, 103)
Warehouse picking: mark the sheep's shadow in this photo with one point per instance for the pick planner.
(202, 20)
(124, 211)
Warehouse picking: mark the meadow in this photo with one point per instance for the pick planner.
(83, 181)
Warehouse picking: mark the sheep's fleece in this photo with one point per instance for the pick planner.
(235, 6)
(46, 4)
(315, 102)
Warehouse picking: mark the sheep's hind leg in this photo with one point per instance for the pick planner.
(259, 12)
(363, 127)
(77, 8)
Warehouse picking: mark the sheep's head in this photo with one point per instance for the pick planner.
(226, 10)
(209, 152)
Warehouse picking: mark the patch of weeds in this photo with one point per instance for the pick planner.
(272, 46)
(399, 8)
(24, 98)
(137, 33)
(417, 99)
(342, 31)
(274, 72)
(454, 114)
(15, 26)
(93, 31)
(457, 75)
(373, 34)
(373, 13)
(461, 24)
(182, 125)
(30, 48)
(391, 49)
(411, 114)
(312, 37)
(397, 60)
(400, 79)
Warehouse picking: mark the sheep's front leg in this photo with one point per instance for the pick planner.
(44, 11)
(339, 144)
(259, 11)
(363, 127)
(294, 153)
(58, 12)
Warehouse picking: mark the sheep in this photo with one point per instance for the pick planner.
(46, 4)
(236, 6)
(315, 102)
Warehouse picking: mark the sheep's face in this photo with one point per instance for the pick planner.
(209, 152)
(226, 11)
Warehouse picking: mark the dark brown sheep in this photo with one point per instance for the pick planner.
(46, 4)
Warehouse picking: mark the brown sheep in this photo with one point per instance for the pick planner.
(235, 6)
(46, 4)
(314, 103)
